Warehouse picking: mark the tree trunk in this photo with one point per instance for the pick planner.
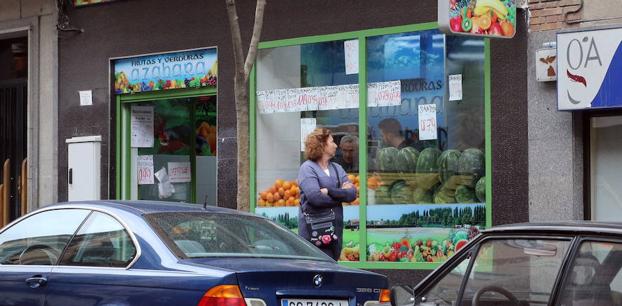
(242, 72)
(241, 102)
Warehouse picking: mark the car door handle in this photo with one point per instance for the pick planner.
(36, 281)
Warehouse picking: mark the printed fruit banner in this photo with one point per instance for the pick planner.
(288, 217)
(421, 233)
(187, 69)
(492, 18)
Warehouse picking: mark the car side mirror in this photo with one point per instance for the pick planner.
(402, 295)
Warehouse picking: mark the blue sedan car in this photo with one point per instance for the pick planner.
(153, 253)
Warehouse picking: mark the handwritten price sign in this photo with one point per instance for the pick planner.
(144, 169)
(427, 122)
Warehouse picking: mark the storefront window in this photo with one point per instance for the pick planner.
(179, 163)
(300, 88)
(425, 154)
(424, 139)
(606, 165)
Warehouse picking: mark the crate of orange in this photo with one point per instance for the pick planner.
(282, 193)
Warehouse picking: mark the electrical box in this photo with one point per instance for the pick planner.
(84, 168)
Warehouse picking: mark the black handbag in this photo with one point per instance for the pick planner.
(322, 226)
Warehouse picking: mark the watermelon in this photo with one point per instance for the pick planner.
(426, 163)
(382, 195)
(407, 159)
(387, 159)
(421, 196)
(401, 193)
(465, 194)
(480, 189)
(471, 163)
(448, 164)
(443, 197)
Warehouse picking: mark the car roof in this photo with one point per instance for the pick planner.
(149, 207)
(567, 227)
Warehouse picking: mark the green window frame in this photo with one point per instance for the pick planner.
(362, 136)
(122, 134)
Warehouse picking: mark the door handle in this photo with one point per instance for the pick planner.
(36, 281)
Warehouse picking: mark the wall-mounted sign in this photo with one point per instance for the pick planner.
(327, 97)
(491, 18)
(187, 69)
(546, 65)
(590, 69)
(88, 2)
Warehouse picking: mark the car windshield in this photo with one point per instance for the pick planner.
(206, 234)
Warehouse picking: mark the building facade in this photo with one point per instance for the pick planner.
(395, 56)
(574, 155)
(28, 104)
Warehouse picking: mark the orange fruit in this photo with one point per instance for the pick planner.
(261, 203)
(270, 198)
(351, 177)
(272, 189)
(297, 201)
(280, 203)
(293, 191)
(287, 194)
(287, 185)
(281, 191)
(278, 183)
(277, 196)
(264, 196)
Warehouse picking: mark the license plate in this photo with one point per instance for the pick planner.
(307, 302)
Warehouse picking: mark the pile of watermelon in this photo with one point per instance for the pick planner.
(443, 177)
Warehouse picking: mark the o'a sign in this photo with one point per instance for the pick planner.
(589, 69)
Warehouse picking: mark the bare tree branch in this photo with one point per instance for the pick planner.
(236, 37)
(252, 48)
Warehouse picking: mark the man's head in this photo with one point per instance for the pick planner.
(348, 145)
(391, 130)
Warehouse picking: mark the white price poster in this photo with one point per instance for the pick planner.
(179, 172)
(144, 169)
(455, 87)
(351, 54)
(427, 122)
(142, 126)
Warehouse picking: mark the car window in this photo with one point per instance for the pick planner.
(511, 271)
(445, 292)
(40, 238)
(595, 277)
(101, 242)
(218, 234)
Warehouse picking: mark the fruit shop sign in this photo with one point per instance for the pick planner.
(589, 64)
(489, 18)
(188, 69)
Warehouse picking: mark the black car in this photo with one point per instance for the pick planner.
(574, 263)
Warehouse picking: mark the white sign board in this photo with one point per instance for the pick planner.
(327, 97)
(589, 64)
(144, 169)
(455, 87)
(427, 122)
(142, 126)
(179, 172)
(307, 125)
(86, 97)
(546, 64)
(351, 54)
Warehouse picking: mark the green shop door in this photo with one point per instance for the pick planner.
(169, 149)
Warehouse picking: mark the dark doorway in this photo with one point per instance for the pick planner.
(13, 110)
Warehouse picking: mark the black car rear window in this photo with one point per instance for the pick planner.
(206, 234)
